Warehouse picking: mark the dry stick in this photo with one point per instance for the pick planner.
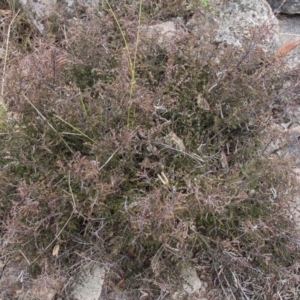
(5, 60)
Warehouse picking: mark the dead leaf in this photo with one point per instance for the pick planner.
(202, 102)
(177, 141)
(55, 250)
(224, 161)
(4, 12)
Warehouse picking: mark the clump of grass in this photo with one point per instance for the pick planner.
(184, 185)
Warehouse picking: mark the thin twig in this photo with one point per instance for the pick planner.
(108, 160)
(5, 60)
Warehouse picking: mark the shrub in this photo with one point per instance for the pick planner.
(185, 183)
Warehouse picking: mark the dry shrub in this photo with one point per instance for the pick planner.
(183, 183)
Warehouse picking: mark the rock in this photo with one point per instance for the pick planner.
(241, 24)
(15, 283)
(286, 7)
(192, 288)
(244, 25)
(291, 150)
(88, 285)
(242, 19)
(274, 138)
(247, 16)
(289, 30)
(45, 288)
(40, 10)
(164, 33)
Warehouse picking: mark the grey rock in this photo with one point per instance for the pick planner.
(289, 30)
(88, 285)
(192, 288)
(40, 10)
(235, 21)
(165, 33)
(240, 18)
(286, 7)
